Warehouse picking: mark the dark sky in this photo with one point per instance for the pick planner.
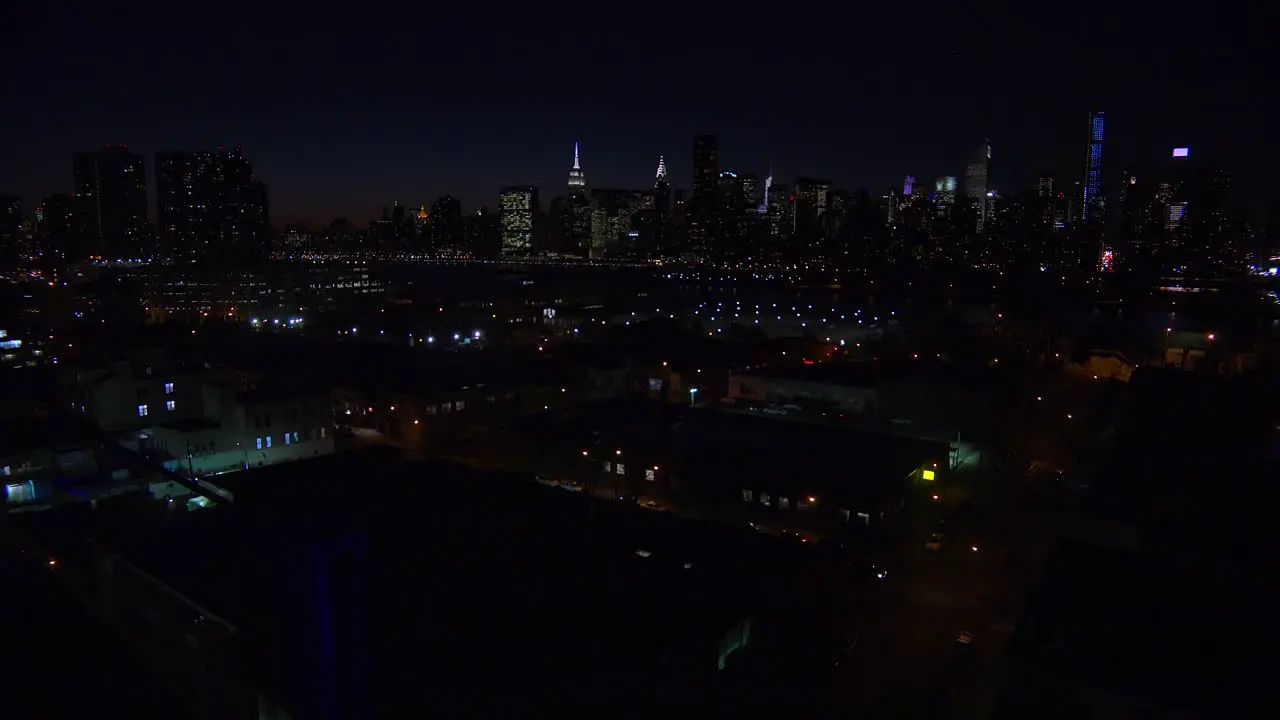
(344, 110)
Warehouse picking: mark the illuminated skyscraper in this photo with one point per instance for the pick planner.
(944, 195)
(516, 207)
(661, 207)
(577, 178)
(1093, 165)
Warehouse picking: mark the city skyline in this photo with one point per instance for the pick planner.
(864, 118)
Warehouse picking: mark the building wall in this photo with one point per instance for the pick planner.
(249, 434)
(111, 400)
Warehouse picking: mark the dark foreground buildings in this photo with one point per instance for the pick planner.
(370, 585)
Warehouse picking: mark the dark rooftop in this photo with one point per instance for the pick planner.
(1140, 626)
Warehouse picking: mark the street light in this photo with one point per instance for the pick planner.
(693, 393)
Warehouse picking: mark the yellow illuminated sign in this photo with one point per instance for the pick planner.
(927, 474)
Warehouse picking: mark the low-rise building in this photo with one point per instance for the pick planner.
(244, 429)
(133, 395)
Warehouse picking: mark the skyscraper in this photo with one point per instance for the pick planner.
(444, 223)
(661, 207)
(944, 195)
(1093, 165)
(516, 207)
(706, 181)
(577, 178)
(975, 180)
(111, 192)
(211, 205)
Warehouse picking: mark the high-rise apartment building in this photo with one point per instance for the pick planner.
(516, 207)
(111, 195)
(211, 205)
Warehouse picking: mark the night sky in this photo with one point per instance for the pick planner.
(343, 111)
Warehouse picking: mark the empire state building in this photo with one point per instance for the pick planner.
(577, 178)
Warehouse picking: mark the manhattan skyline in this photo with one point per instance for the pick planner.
(409, 118)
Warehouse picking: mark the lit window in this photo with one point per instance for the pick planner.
(747, 496)
(784, 503)
(622, 469)
(649, 475)
(287, 439)
(170, 405)
(431, 409)
(168, 388)
(142, 411)
(608, 466)
(321, 433)
(295, 436)
(268, 441)
(764, 498)
(259, 443)
(459, 405)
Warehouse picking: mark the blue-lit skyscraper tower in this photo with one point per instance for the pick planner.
(1093, 164)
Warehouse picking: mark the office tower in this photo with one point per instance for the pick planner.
(444, 223)
(975, 180)
(1093, 166)
(750, 189)
(1045, 199)
(812, 201)
(662, 207)
(706, 165)
(944, 195)
(111, 193)
(577, 178)
(516, 207)
(210, 205)
(706, 180)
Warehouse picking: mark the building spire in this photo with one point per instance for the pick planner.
(577, 178)
(662, 169)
